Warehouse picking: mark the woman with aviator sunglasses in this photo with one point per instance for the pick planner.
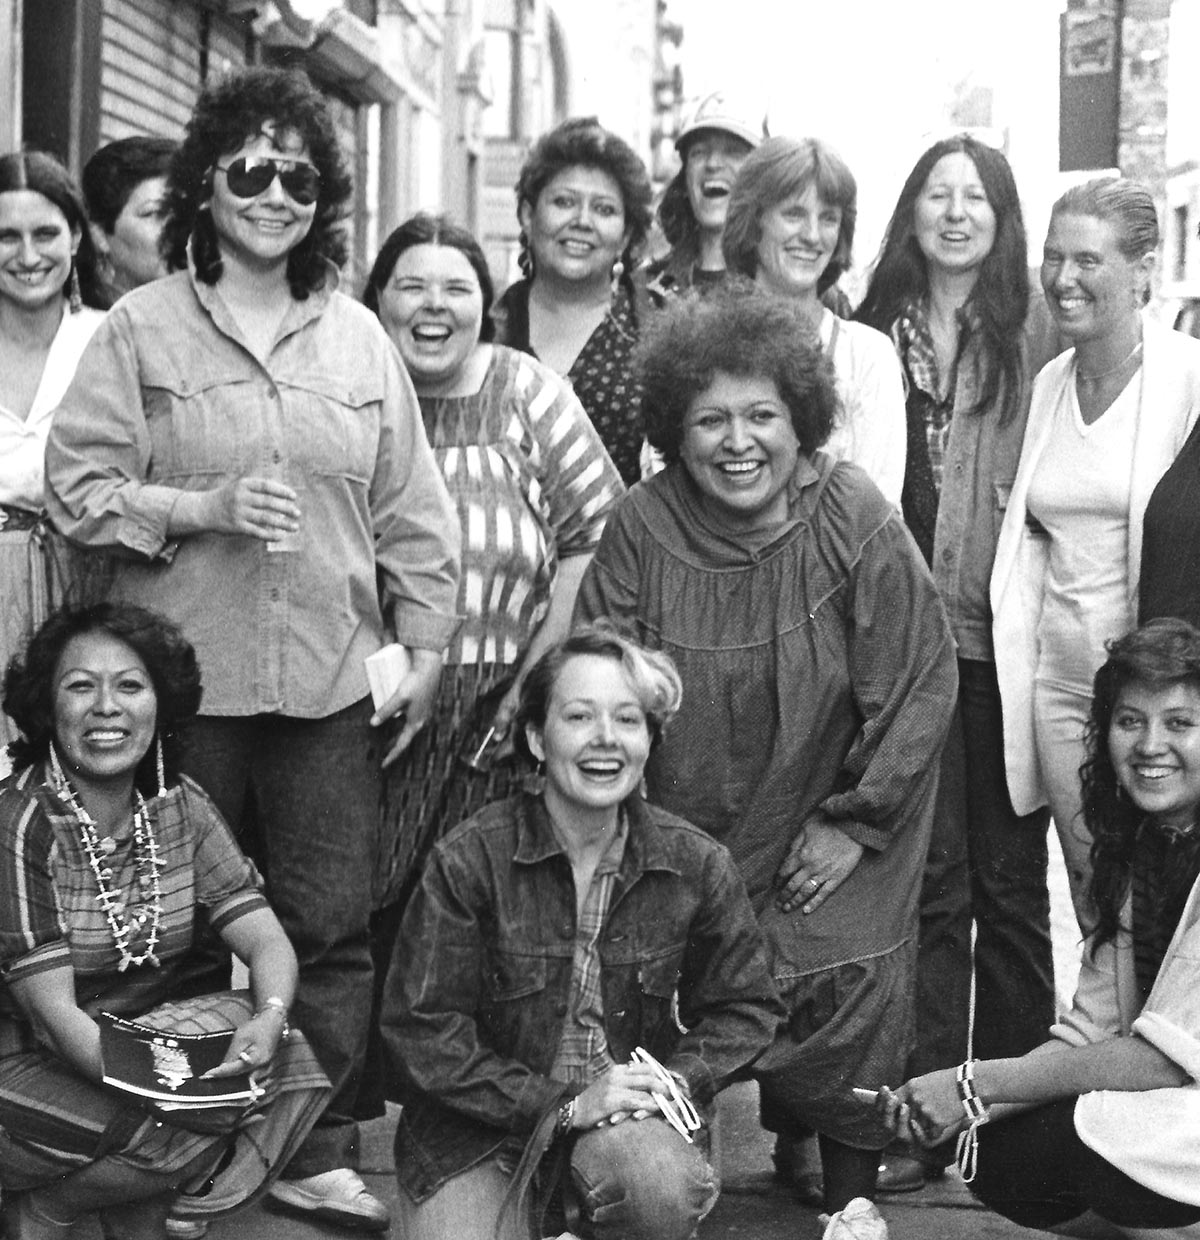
(244, 442)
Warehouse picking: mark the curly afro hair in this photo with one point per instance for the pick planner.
(735, 330)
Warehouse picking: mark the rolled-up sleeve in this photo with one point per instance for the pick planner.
(98, 454)
(417, 535)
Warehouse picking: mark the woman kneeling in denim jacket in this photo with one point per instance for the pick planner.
(553, 935)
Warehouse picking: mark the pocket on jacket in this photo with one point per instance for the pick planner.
(514, 976)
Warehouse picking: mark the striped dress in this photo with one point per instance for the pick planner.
(533, 485)
(54, 1121)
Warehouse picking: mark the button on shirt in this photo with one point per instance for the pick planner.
(168, 398)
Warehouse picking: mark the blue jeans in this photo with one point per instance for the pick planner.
(303, 797)
(988, 864)
(638, 1180)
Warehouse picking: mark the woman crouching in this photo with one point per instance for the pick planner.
(1103, 1119)
(557, 936)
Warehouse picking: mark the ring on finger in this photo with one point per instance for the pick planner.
(814, 885)
(246, 1057)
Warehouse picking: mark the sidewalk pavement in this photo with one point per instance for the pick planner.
(752, 1205)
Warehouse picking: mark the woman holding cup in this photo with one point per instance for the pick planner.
(234, 409)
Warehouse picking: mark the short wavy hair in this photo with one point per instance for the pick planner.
(1125, 204)
(169, 658)
(117, 169)
(735, 330)
(584, 142)
(651, 672)
(226, 116)
(775, 171)
(43, 174)
(425, 228)
(1159, 654)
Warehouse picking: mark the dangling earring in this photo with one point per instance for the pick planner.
(524, 255)
(618, 270)
(159, 766)
(56, 768)
(74, 297)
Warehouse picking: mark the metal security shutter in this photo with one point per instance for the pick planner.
(150, 67)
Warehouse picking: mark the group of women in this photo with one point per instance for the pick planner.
(266, 487)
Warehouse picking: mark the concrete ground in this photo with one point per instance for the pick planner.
(752, 1205)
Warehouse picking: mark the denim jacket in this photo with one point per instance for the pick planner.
(168, 398)
(477, 992)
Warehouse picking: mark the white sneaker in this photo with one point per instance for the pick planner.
(186, 1228)
(857, 1220)
(337, 1196)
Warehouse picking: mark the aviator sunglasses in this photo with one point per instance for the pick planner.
(248, 175)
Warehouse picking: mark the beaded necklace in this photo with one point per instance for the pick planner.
(147, 864)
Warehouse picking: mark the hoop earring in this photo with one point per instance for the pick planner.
(160, 766)
(74, 296)
(618, 270)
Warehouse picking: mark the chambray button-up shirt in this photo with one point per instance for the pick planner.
(168, 398)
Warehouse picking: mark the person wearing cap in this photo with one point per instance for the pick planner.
(712, 145)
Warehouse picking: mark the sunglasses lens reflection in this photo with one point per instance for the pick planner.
(247, 178)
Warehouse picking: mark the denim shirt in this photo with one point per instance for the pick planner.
(168, 398)
(477, 993)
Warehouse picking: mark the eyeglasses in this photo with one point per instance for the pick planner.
(249, 175)
(675, 1106)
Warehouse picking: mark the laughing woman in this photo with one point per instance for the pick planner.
(790, 229)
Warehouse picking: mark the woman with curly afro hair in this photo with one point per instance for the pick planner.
(244, 442)
(818, 683)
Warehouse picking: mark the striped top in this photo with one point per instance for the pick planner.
(532, 483)
(50, 916)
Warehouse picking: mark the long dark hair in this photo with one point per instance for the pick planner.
(1000, 298)
(169, 658)
(228, 114)
(43, 174)
(1160, 654)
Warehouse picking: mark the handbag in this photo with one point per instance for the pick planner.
(222, 1012)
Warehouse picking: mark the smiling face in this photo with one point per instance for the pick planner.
(798, 238)
(710, 169)
(1154, 743)
(577, 229)
(740, 449)
(596, 738)
(953, 220)
(133, 244)
(1093, 290)
(36, 249)
(432, 308)
(261, 232)
(105, 709)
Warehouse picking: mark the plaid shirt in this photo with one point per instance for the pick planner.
(914, 344)
(583, 1052)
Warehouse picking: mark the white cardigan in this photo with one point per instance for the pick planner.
(1153, 1135)
(1167, 408)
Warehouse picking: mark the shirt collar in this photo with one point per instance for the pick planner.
(645, 848)
(299, 314)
